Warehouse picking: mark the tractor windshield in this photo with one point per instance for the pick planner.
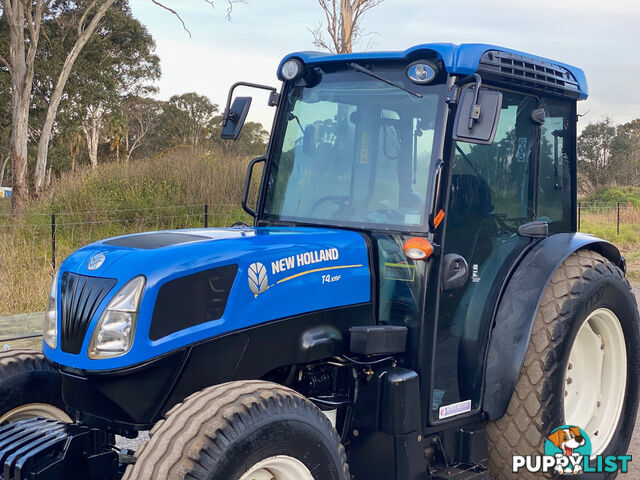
(355, 151)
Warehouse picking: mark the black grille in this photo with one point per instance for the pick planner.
(535, 74)
(79, 299)
(192, 300)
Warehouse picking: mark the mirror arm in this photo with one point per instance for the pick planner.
(475, 108)
(273, 98)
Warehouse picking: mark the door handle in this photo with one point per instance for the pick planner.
(455, 271)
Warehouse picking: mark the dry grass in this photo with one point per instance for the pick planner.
(161, 193)
(601, 220)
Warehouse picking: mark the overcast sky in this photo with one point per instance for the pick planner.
(600, 36)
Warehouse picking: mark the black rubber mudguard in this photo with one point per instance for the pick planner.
(518, 308)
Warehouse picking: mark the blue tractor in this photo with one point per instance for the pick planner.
(412, 302)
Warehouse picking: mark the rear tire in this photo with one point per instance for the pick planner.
(242, 430)
(585, 283)
(29, 387)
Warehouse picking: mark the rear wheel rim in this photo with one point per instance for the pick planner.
(596, 378)
(31, 410)
(279, 467)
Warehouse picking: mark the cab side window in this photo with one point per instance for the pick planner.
(554, 177)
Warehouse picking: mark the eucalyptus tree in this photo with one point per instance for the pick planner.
(187, 119)
(25, 20)
(344, 27)
(117, 62)
(141, 115)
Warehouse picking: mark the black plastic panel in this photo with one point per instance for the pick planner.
(192, 300)
(80, 297)
(520, 71)
(378, 339)
(150, 241)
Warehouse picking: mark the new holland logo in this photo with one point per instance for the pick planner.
(96, 261)
(258, 279)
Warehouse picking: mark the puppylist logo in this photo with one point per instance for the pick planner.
(567, 451)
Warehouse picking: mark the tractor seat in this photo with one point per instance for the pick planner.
(470, 195)
(470, 226)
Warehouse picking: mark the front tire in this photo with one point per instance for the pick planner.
(29, 387)
(248, 430)
(586, 292)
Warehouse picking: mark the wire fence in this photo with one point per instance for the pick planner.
(58, 232)
(32, 247)
(607, 214)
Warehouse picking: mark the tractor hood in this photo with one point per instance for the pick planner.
(205, 283)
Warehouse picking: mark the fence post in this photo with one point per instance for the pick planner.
(206, 215)
(579, 213)
(53, 241)
(618, 224)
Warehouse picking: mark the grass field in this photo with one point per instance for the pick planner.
(5, 206)
(110, 201)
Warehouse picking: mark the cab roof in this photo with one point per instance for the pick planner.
(469, 58)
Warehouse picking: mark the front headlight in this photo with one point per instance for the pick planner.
(114, 333)
(50, 326)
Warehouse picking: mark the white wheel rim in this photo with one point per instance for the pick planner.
(31, 410)
(596, 378)
(279, 467)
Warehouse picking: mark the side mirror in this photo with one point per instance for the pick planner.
(477, 115)
(233, 119)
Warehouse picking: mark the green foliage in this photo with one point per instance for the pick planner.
(626, 195)
(608, 155)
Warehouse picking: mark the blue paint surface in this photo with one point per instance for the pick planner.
(458, 59)
(289, 293)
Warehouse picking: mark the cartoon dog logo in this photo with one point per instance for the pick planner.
(568, 439)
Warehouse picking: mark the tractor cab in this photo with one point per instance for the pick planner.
(467, 152)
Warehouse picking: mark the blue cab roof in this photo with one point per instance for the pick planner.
(458, 59)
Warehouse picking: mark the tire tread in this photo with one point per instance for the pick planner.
(522, 429)
(208, 421)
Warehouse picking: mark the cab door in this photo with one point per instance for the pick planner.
(492, 193)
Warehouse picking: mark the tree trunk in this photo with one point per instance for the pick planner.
(347, 27)
(4, 167)
(21, 69)
(45, 138)
(92, 127)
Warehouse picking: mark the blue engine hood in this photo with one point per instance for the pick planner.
(299, 264)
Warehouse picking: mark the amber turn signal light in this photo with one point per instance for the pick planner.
(417, 248)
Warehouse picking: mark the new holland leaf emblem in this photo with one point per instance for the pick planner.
(258, 280)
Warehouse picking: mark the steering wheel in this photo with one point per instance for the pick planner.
(341, 201)
(385, 216)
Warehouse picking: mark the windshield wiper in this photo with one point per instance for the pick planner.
(364, 70)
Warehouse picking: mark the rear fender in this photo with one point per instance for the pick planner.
(517, 311)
